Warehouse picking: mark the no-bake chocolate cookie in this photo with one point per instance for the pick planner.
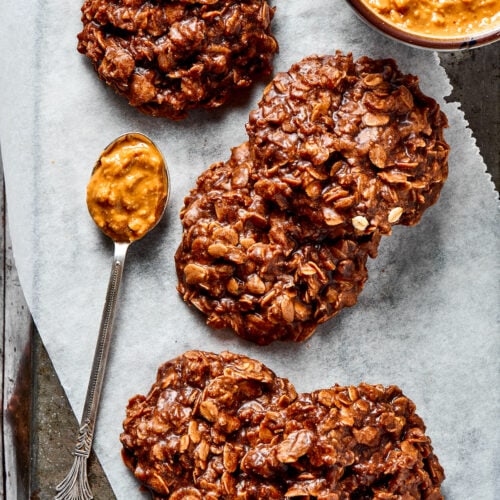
(226, 427)
(167, 57)
(266, 273)
(349, 142)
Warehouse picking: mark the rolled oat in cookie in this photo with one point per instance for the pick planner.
(168, 57)
(276, 239)
(226, 427)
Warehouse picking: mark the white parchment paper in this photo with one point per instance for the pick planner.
(427, 320)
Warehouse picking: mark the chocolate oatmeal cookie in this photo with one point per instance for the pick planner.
(276, 239)
(167, 57)
(268, 274)
(226, 427)
(349, 142)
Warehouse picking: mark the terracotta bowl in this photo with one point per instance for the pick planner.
(425, 41)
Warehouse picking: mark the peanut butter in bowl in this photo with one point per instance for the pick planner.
(440, 17)
(435, 24)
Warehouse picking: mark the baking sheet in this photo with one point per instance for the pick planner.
(426, 321)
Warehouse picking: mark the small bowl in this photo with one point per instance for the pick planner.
(460, 42)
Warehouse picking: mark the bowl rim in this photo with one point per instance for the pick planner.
(423, 41)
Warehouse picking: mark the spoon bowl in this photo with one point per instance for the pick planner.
(126, 196)
(129, 187)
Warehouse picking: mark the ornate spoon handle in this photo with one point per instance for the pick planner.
(75, 486)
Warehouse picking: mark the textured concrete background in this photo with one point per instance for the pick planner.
(475, 78)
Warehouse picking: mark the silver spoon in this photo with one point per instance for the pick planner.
(126, 196)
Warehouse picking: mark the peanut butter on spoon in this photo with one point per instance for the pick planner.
(126, 196)
(127, 191)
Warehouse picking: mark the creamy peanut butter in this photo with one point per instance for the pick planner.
(443, 18)
(127, 191)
